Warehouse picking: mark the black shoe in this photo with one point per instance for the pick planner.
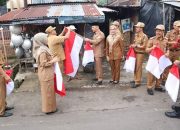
(115, 82)
(95, 79)
(6, 114)
(9, 108)
(99, 82)
(160, 89)
(132, 82)
(173, 114)
(135, 85)
(150, 92)
(49, 113)
(176, 108)
(111, 81)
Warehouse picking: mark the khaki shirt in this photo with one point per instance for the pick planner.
(55, 45)
(98, 42)
(171, 36)
(140, 39)
(45, 69)
(160, 42)
(114, 47)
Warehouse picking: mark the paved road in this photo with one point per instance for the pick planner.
(91, 107)
(109, 108)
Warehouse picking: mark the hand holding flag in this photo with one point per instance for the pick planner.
(130, 60)
(88, 54)
(157, 62)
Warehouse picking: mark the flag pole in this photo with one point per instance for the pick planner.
(2, 35)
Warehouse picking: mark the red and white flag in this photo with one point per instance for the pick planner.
(58, 81)
(72, 48)
(157, 62)
(88, 54)
(172, 82)
(130, 62)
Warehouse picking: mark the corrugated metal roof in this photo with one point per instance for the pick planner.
(174, 3)
(62, 12)
(10, 15)
(59, 1)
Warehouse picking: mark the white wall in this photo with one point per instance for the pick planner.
(15, 4)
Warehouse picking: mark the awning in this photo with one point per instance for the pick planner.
(58, 13)
(174, 3)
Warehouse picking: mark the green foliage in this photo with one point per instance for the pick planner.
(2, 2)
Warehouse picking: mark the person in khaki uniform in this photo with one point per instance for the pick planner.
(45, 63)
(114, 53)
(156, 41)
(172, 38)
(55, 43)
(4, 78)
(139, 45)
(98, 42)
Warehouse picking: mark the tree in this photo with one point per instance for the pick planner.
(2, 2)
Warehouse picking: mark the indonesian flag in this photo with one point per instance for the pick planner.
(58, 81)
(157, 62)
(129, 65)
(72, 48)
(88, 54)
(172, 82)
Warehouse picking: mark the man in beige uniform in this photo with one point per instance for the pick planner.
(4, 78)
(156, 41)
(139, 45)
(98, 42)
(55, 43)
(172, 38)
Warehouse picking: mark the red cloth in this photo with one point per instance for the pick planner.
(9, 72)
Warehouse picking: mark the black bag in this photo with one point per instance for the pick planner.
(89, 68)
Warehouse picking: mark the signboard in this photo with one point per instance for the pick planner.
(126, 25)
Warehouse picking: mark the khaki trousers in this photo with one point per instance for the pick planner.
(99, 71)
(138, 68)
(2, 96)
(151, 80)
(115, 69)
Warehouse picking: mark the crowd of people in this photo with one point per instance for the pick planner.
(48, 49)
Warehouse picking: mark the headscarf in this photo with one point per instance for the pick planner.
(40, 45)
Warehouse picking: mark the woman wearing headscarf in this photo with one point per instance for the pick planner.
(45, 63)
